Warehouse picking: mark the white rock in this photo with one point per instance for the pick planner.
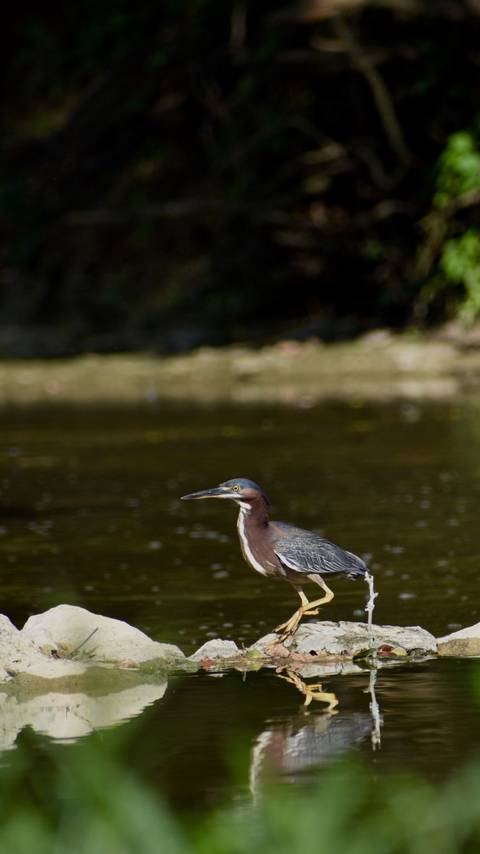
(70, 631)
(216, 648)
(19, 655)
(464, 643)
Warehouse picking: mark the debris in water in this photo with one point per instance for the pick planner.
(376, 733)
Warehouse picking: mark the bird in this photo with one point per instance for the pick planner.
(279, 550)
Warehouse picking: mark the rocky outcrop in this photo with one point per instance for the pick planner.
(69, 671)
(322, 648)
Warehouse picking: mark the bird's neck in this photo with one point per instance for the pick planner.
(254, 514)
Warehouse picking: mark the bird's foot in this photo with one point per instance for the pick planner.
(289, 628)
(285, 635)
(282, 627)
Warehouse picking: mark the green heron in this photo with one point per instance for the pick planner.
(279, 550)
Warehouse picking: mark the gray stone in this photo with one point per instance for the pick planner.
(216, 648)
(464, 643)
(346, 639)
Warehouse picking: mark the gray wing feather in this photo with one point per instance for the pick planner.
(308, 552)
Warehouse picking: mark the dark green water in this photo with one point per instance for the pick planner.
(90, 515)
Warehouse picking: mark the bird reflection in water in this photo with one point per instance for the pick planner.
(311, 690)
(293, 746)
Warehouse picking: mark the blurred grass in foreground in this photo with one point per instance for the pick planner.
(93, 804)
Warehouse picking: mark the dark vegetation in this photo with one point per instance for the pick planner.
(90, 803)
(181, 172)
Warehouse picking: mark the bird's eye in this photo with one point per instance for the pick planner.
(235, 489)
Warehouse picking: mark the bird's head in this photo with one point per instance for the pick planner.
(245, 492)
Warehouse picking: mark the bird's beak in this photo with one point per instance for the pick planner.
(216, 492)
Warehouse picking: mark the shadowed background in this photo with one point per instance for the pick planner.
(181, 173)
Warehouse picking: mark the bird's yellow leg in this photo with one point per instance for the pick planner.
(290, 626)
(306, 605)
(323, 601)
(307, 609)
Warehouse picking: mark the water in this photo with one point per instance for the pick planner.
(90, 514)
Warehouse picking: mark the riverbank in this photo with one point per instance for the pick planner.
(378, 366)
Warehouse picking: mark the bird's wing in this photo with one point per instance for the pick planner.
(307, 552)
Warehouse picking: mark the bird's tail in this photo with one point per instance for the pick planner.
(356, 573)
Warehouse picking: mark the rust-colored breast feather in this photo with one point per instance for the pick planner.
(257, 544)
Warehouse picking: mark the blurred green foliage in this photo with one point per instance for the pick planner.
(93, 805)
(451, 250)
(458, 169)
(189, 172)
(460, 262)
